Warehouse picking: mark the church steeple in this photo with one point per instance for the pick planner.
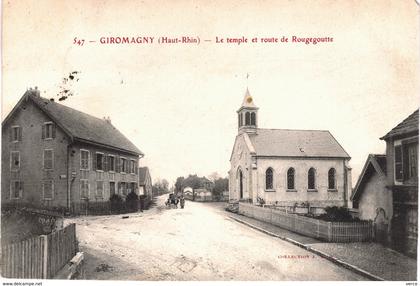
(247, 115)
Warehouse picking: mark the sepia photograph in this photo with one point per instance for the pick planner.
(229, 141)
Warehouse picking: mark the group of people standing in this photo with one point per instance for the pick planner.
(174, 200)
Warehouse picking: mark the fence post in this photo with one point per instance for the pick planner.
(45, 257)
(329, 231)
(317, 228)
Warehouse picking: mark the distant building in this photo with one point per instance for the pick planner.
(145, 183)
(203, 190)
(287, 167)
(54, 156)
(402, 145)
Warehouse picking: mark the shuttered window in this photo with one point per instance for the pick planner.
(48, 190)
(84, 160)
(14, 160)
(48, 159)
(16, 189)
(48, 130)
(16, 134)
(398, 163)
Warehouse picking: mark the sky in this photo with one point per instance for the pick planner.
(177, 102)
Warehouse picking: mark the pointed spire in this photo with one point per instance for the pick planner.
(248, 101)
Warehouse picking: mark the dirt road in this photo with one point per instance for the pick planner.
(196, 243)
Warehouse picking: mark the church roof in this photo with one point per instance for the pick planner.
(248, 101)
(408, 125)
(79, 125)
(296, 143)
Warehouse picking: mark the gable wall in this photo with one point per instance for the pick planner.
(31, 148)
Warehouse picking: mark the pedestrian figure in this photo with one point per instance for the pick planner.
(182, 201)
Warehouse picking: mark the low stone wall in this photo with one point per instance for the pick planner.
(323, 230)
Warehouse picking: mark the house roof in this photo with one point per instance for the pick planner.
(375, 162)
(143, 171)
(81, 126)
(408, 125)
(296, 143)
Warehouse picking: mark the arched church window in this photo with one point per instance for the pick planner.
(242, 119)
(269, 179)
(239, 120)
(331, 179)
(311, 179)
(247, 119)
(253, 118)
(290, 179)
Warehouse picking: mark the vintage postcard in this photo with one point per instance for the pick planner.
(209, 141)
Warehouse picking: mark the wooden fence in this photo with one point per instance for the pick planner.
(323, 230)
(39, 257)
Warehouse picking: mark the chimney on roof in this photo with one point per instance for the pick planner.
(36, 92)
(107, 119)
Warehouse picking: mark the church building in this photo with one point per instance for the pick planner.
(287, 167)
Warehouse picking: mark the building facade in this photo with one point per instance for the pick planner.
(287, 167)
(402, 146)
(56, 157)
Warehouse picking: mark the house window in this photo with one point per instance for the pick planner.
(111, 163)
(48, 190)
(398, 163)
(48, 159)
(99, 161)
(331, 179)
(412, 151)
(48, 130)
(100, 189)
(291, 179)
(253, 121)
(133, 164)
(14, 160)
(16, 189)
(406, 168)
(311, 179)
(84, 160)
(247, 119)
(269, 179)
(123, 165)
(111, 189)
(16, 134)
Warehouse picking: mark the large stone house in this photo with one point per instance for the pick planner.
(402, 144)
(54, 156)
(287, 167)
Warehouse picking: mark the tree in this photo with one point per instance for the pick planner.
(220, 185)
(214, 176)
(179, 184)
(160, 187)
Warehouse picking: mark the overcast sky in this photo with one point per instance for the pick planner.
(178, 102)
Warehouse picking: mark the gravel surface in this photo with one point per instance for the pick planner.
(199, 242)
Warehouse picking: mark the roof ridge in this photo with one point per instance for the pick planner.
(68, 107)
(288, 129)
